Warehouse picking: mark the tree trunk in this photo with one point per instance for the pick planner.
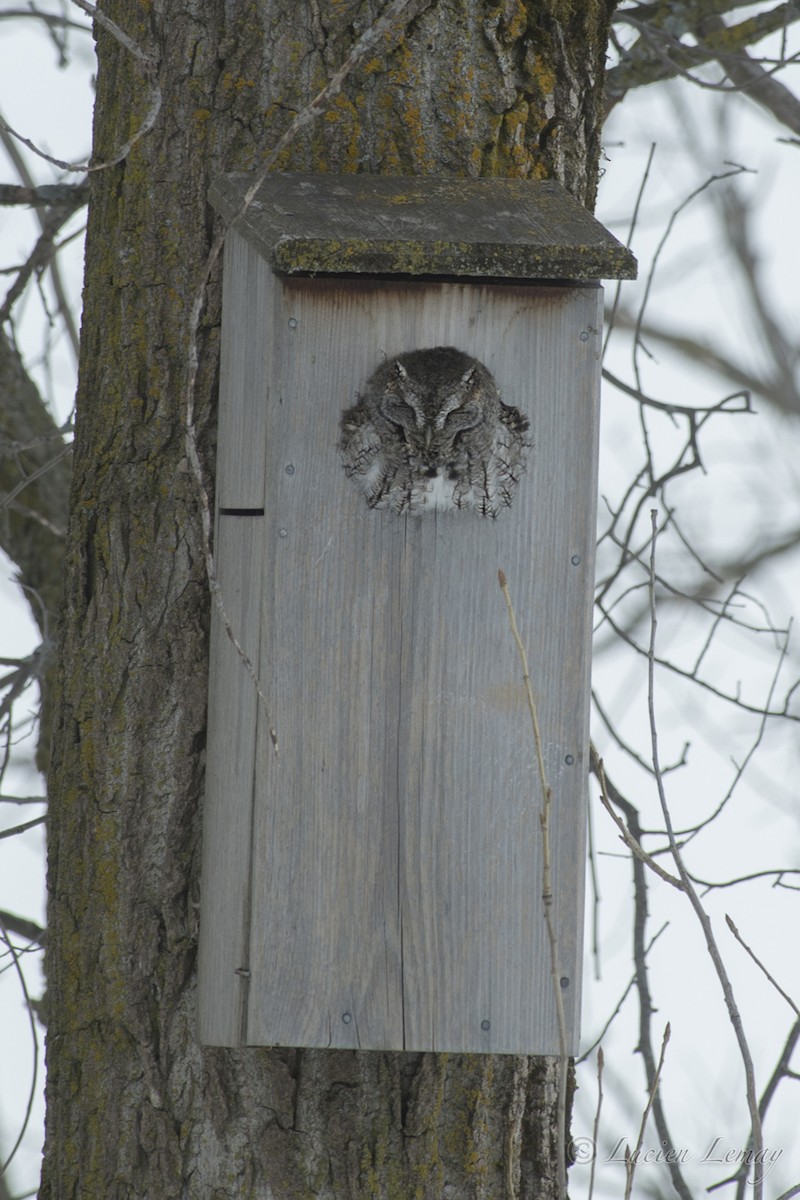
(135, 1106)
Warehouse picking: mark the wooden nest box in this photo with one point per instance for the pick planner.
(408, 404)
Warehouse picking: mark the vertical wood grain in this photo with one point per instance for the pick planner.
(396, 887)
(228, 802)
(244, 376)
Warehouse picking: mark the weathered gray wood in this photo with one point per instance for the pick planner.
(396, 870)
(380, 224)
(228, 804)
(244, 377)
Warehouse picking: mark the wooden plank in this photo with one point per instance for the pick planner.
(325, 952)
(380, 224)
(244, 378)
(228, 801)
(396, 857)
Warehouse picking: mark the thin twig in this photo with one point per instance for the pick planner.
(637, 341)
(40, 257)
(596, 1122)
(547, 891)
(37, 473)
(15, 957)
(760, 965)
(97, 14)
(640, 952)
(631, 1160)
(793, 1191)
(666, 406)
(21, 167)
(150, 66)
(688, 887)
(631, 230)
(632, 982)
(595, 884)
(729, 697)
(630, 841)
(15, 829)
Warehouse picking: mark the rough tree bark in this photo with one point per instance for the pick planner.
(135, 1106)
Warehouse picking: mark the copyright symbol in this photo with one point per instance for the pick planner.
(582, 1149)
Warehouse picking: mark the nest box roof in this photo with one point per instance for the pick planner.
(422, 225)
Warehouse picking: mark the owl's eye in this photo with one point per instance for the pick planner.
(462, 419)
(399, 413)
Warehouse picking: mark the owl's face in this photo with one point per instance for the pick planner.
(433, 416)
(430, 432)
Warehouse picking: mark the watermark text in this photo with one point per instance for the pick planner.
(720, 1152)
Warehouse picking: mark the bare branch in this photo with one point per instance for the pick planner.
(630, 1166)
(45, 195)
(706, 685)
(698, 350)
(56, 20)
(633, 830)
(150, 67)
(22, 927)
(776, 874)
(702, 916)
(725, 405)
(749, 76)
(15, 829)
(39, 258)
(15, 957)
(760, 965)
(632, 982)
(98, 15)
(659, 54)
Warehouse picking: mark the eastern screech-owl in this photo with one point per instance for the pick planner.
(429, 431)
